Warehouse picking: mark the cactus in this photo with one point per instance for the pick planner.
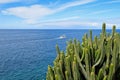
(93, 59)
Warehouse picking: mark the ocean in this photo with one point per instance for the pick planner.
(25, 54)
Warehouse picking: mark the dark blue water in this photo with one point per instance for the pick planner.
(25, 54)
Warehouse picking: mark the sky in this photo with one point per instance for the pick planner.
(59, 14)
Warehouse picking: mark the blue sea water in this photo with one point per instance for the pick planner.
(25, 54)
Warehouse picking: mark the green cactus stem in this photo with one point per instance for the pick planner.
(95, 58)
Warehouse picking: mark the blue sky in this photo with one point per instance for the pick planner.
(59, 14)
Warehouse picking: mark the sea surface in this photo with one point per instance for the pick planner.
(25, 54)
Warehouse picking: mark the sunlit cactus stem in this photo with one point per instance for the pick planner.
(104, 29)
(50, 74)
(113, 30)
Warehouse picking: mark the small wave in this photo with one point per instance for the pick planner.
(57, 38)
(49, 39)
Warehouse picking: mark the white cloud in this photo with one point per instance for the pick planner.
(103, 3)
(94, 24)
(101, 11)
(31, 21)
(68, 24)
(112, 1)
(32, 12)
(8, 1)
(35, 12)
(72, 4)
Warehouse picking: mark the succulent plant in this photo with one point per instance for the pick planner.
(93, 59)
